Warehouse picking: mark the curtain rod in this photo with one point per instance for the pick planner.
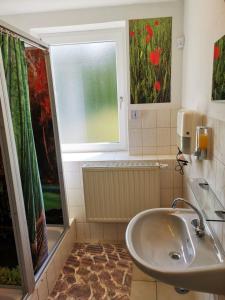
(22, 38)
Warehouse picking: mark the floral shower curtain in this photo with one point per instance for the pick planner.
(15, 67)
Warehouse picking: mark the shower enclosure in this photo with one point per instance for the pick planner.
(33, 210)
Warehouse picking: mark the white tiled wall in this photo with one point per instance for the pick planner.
(154, 132)
(214, 172)
(171, 187)
(145, 287)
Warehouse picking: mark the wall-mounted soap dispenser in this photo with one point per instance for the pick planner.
(187, 121)
(203, 134)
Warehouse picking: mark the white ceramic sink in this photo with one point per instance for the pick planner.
(164, 244)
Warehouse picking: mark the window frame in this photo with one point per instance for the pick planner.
(117, 35)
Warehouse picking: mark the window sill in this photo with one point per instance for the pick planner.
(109, 156)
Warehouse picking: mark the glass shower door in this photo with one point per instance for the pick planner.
(9, 266)
(45, 142)
(12, 195)
(43, 134)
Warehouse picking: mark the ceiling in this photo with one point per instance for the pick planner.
(10, 7)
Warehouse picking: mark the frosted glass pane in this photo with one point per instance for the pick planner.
(86, 90)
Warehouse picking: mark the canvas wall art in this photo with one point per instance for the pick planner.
(218, 85)
(150, 60)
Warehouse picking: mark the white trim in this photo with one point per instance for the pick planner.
(156, 106)
(75, 28)
(55, 123)
(76, 37)
(217, 101)
(117, 35)
(93, 147)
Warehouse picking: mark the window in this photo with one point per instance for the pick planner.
(89, 83)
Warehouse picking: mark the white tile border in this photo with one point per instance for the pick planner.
(47, 280)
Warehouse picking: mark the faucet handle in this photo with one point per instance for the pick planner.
(200, 232)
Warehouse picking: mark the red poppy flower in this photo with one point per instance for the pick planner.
(132, 33)
(148, 38)
(216, 52)
(157, 86)
(149, 30)
(156, 23)
(154, 56)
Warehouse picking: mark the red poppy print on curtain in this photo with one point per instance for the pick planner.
(150, 60)
(41, 116)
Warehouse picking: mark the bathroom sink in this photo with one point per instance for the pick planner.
(164, 244)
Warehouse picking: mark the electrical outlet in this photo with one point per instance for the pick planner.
(180, 42)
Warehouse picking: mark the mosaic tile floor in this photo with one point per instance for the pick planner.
(95, 272)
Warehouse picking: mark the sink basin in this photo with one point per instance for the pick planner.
(163, 243)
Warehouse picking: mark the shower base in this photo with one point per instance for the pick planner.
(10, 294)
(54, 233)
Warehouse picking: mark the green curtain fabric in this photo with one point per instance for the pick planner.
(15, 67)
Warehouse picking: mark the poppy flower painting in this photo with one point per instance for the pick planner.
(218, 86)
(150, 60)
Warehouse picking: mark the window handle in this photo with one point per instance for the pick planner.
(121, 101)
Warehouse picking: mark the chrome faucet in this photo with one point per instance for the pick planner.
(199, 226)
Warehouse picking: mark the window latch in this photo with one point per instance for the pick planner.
(121, 101)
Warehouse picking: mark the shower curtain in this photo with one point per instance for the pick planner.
(15, 67)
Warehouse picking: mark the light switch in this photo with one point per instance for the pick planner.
(135, 114)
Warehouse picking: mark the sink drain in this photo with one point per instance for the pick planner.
(175, 255)
(181, 291)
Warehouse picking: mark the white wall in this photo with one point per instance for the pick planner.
(100, 15)
(204, 23)
(138, 130)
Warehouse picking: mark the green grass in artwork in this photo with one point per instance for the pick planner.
(218, 90)
(150, 60)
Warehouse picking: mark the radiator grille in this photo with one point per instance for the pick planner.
(116, 191)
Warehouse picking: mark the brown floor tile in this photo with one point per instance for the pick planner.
(95, 272)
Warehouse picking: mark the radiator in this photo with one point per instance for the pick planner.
(116, 191)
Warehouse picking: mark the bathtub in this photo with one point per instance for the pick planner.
(10, 294)
(53, 233)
